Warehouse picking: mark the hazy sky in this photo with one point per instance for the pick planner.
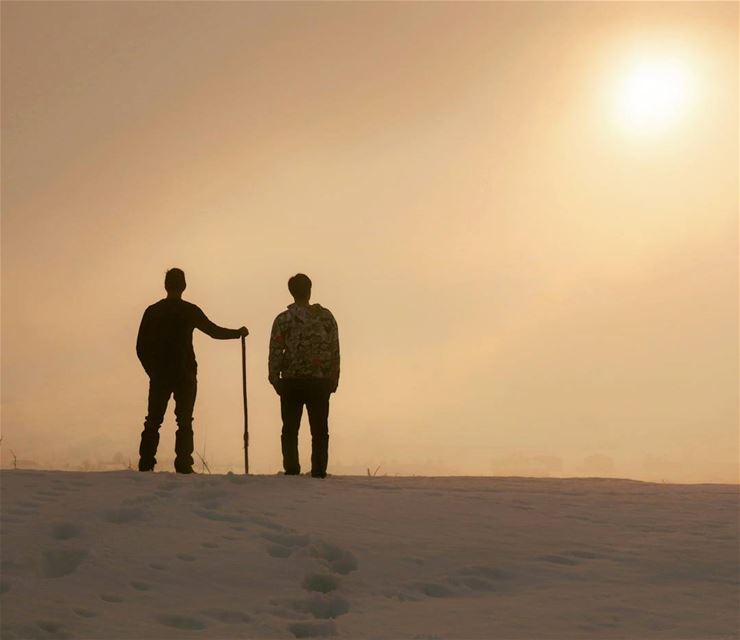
(524, 217)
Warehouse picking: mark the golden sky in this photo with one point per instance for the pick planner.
(524, 217)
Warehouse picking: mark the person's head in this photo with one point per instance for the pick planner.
(174, 281)
(300, 287)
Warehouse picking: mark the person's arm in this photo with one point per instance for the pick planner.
(212, 329)
(334, 346)
(275, 359)
(144, 342)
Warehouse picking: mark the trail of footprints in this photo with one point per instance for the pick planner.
(313, 615)
(479, 579)
(23, 509)
(55, 562)
(323, 603)
(307, 617)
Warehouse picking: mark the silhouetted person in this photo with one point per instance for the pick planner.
(304, 369)
(165, 348)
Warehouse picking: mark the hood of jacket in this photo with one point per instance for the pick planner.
(306, 314)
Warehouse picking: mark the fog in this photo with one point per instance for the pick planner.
(524, 283)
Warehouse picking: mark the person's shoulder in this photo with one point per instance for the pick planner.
(325, 313)
(153, 308)
(190, 308)
(283, 316)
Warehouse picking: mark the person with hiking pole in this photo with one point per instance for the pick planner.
(165, 348)
(304, 370)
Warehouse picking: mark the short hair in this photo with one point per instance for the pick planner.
(300, 286)
(174, 280)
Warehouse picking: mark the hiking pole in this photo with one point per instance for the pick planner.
(244, 395)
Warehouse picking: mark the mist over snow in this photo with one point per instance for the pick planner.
(520, 282)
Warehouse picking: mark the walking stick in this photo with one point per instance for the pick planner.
(246, 415)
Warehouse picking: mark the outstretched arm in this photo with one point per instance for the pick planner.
(213, 330)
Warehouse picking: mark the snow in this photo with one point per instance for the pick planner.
(134, 555)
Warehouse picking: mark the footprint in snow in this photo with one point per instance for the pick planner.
(557, 559)
(320, 582)
(111, 597)
(279, 551)
(124, 515)
(284, 544)
(61, 562)
(436, 590)
(266, 523)
(287, 539)
(64, 531)
(313, 629)
(53, 629)
(482, 578)
(586, 555)
(226, 616)
(337, 559)
(185, 623)
(141, 586)
(461, 583)
(324, 606)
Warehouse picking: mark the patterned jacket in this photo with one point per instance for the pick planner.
(304, 344)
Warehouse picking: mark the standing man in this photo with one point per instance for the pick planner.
(304, 370)
(165, 349)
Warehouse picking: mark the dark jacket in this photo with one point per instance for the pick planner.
(165, 341)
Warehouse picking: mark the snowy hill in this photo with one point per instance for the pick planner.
(131, 555)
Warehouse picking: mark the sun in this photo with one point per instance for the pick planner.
(653, 94)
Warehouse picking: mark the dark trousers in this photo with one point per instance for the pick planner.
(314, 393)
(184, 388)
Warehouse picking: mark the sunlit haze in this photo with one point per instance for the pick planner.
(655, 93)
(524, 217)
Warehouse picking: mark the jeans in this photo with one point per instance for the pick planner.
(184, 389)
(314, 393)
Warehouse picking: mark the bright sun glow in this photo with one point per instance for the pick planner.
(653, 94)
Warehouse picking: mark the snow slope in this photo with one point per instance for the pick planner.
(131, 555)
